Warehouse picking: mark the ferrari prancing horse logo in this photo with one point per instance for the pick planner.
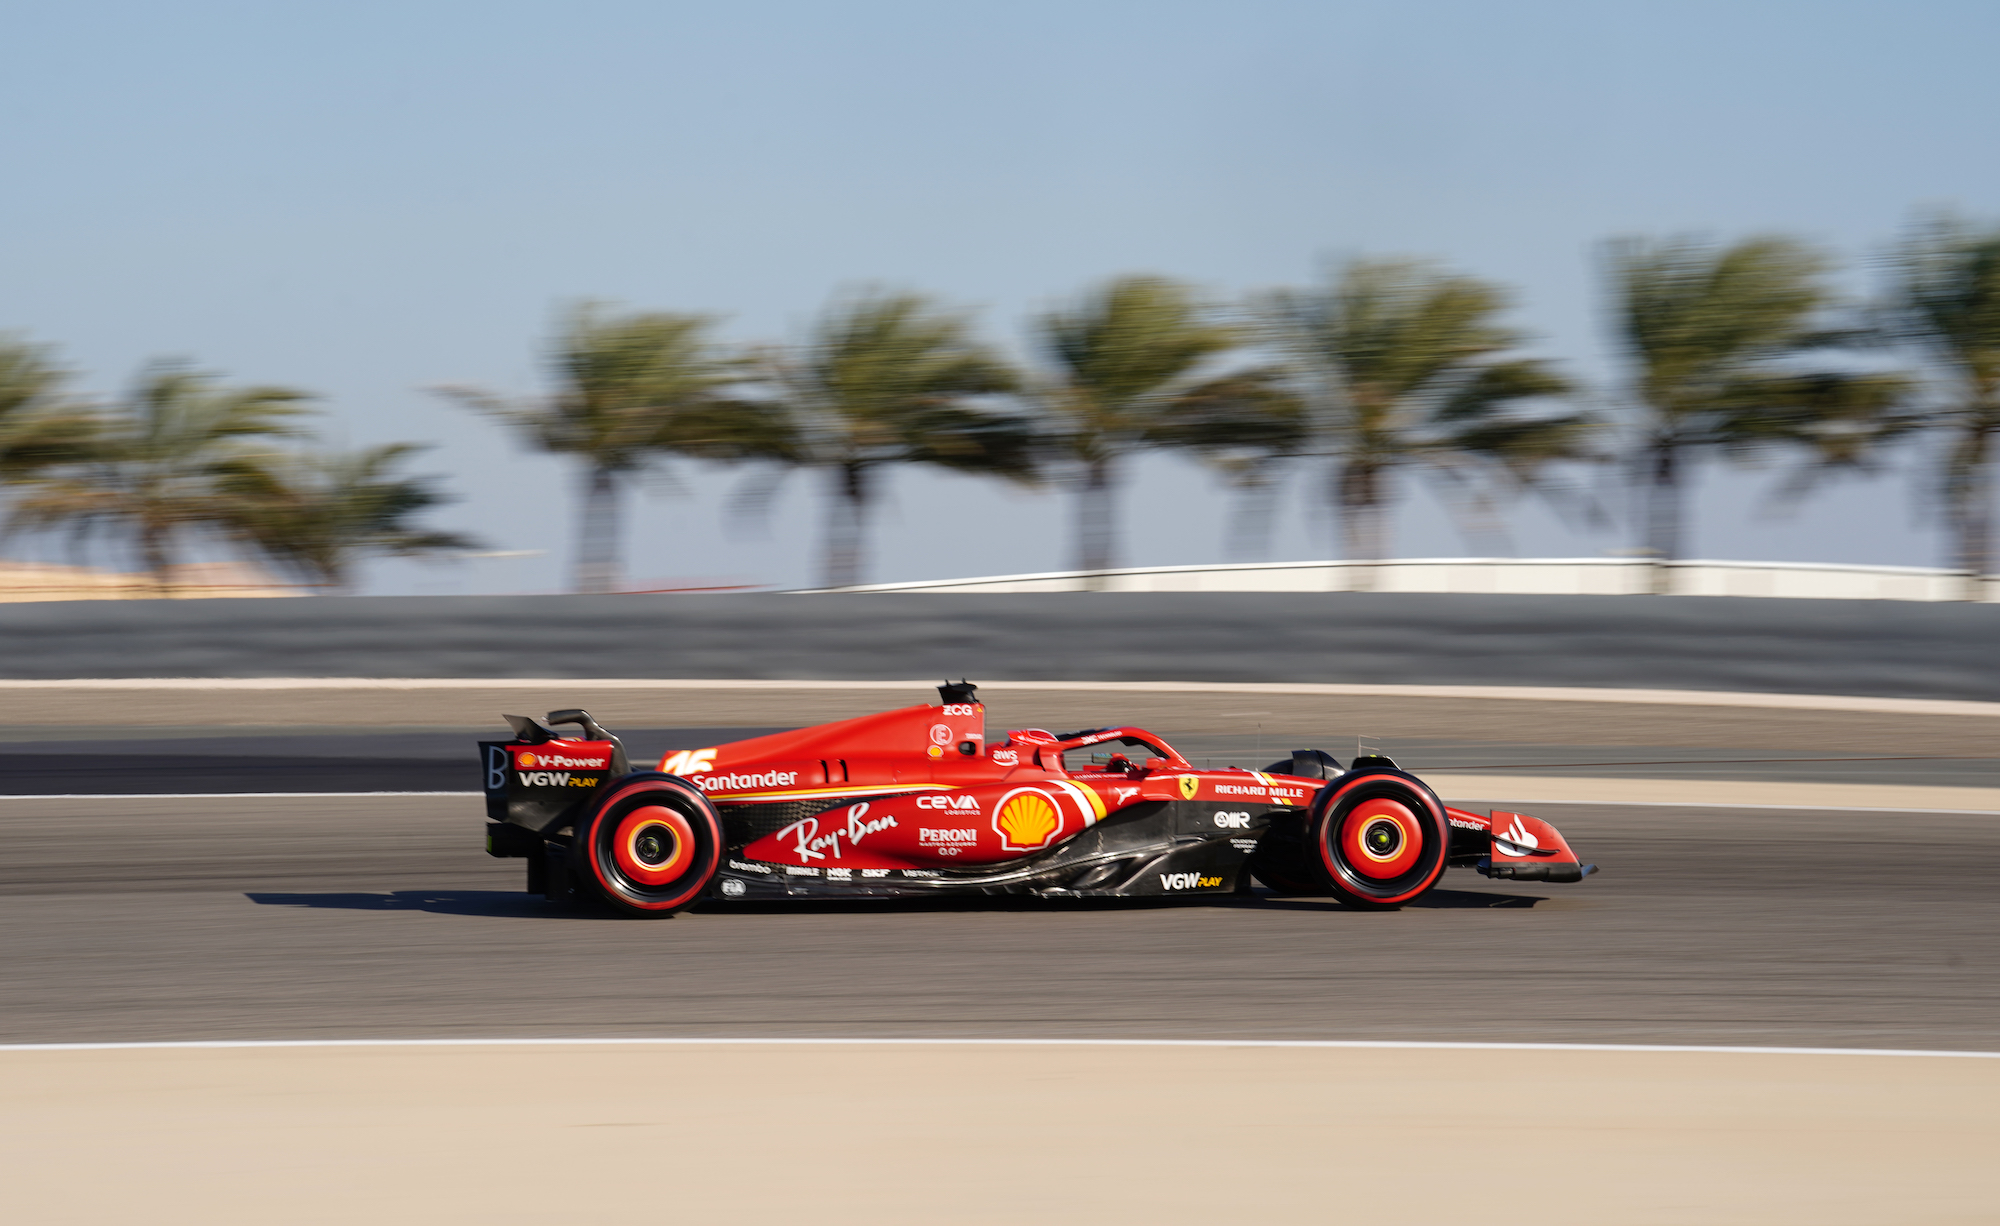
(1189, 786)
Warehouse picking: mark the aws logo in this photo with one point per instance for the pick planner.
(1026, 820)
(1188, 881)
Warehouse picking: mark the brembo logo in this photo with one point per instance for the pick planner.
(1188, 881)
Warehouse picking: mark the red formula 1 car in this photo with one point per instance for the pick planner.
(916, 802)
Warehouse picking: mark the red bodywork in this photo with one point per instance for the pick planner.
(919, 788)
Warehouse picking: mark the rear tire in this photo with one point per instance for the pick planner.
(1379, 839)
(651, 847)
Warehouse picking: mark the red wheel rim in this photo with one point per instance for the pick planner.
(1381, 838)
(653, 845)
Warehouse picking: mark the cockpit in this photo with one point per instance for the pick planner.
(1125, 752)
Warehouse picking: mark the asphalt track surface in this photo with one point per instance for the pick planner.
(1875, 648)
(158, 919)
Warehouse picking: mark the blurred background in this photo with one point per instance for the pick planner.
(401, 211)
(443, 299)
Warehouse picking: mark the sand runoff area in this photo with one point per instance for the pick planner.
(1065, 1132)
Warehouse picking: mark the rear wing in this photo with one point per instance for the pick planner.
(539, 780)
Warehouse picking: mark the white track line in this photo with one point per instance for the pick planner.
(1676, 698)
(1352, 1044)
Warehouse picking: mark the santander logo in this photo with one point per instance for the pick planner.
(1518, 840)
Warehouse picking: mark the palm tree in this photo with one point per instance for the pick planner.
(632, 389)
(1248, 426)
(318, 514)
(1716, 339)
(38, 426)
(1131, 371)
(893, 379)
(1947, 303)
(158, 467)
(1400, 365)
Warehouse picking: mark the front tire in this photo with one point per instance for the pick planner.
(1379, 839)
(651, 847)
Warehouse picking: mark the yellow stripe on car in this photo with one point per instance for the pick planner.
(1088, 802)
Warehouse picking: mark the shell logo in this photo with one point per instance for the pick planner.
(525, 760)
(1026, 820)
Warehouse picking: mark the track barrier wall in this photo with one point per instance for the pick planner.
(1872, 648)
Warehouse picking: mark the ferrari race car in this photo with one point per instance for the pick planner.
(916, 802)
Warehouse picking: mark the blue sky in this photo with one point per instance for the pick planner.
(369, 199)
